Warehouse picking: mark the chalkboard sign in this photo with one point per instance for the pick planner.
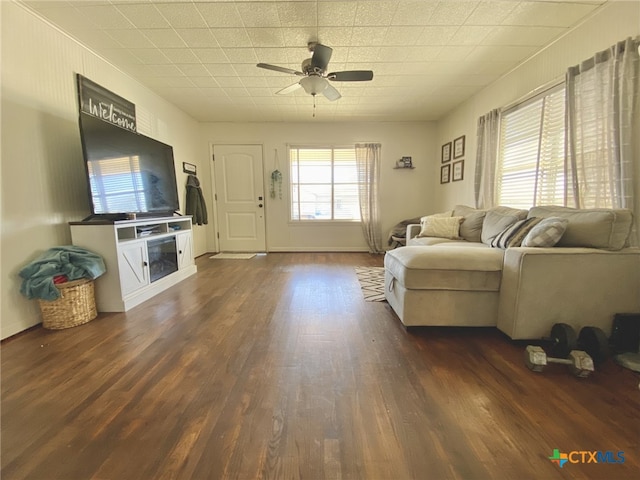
(105, 105)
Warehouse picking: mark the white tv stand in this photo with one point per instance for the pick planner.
(143, 257)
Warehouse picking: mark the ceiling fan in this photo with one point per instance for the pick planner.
(315, 76)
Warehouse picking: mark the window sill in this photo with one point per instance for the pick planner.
(324, 223)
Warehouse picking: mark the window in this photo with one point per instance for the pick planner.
(324, 184)
(531, 165)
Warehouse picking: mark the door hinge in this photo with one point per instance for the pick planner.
(213, 158)
(218, 234)
(215, 195)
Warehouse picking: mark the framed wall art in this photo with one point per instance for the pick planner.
(445, 171)
(458, 147)
(446, 152)
(458, 171)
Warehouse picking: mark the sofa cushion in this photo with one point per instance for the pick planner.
(497, 219)
(604, 228)
(547, 233)
(443, 227)
(513, 235)
(446, 268)
(431, 241)
(471, 227)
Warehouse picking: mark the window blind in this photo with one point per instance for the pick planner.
(530, 168)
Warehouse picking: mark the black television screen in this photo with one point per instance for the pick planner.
(127, 172)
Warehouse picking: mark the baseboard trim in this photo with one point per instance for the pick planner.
(318, 249)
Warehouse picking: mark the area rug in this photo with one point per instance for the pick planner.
(233, 256)
(372, 283)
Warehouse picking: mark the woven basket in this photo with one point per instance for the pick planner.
(76, 305)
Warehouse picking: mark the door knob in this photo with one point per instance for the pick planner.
(260, 205)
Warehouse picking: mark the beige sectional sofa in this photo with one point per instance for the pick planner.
(590, 274)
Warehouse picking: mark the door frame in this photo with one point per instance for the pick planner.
(214, 198)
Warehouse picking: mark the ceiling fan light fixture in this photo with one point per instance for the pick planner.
(313, 85)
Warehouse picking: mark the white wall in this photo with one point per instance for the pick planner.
(403, 193)
(43, 180)
(611, 23)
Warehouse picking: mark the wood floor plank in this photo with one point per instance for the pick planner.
(276, 368)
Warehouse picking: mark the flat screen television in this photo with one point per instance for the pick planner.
(127, 172)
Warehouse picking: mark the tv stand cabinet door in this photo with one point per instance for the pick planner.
(133, 266)
(185, 250)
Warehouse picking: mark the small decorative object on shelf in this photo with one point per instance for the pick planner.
(404, 162)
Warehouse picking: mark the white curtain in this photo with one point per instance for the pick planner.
(486, 155)
(368, 165)
(601, 98)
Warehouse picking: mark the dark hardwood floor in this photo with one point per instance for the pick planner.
(275, 367)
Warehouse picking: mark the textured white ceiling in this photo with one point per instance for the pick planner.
(427, 56)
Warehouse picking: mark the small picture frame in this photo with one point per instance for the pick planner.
(446, 152)
(458, 171)
(189, 168)
(445, 171)
(458, 147)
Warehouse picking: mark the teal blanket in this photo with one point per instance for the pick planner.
(72, 261)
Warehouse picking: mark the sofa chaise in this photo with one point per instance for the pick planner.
(519, 270)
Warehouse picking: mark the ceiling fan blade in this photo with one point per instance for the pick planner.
(321, 56)
(351, 76)
(331, 93)
(289, 89)
(275, 68)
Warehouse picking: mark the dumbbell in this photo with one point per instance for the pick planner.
(579, 362)
(593, 340)
(561, 340)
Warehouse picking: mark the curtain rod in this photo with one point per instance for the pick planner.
(533, 93)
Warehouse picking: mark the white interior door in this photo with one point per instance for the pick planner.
(240, 201)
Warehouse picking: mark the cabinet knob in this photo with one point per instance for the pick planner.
(144, 264)
(180, 252)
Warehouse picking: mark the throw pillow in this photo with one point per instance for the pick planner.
(443, 227)
(591, 227)
(471, 228)
(547, 233)
(514, 235)
(437, 215)
(497, 219)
